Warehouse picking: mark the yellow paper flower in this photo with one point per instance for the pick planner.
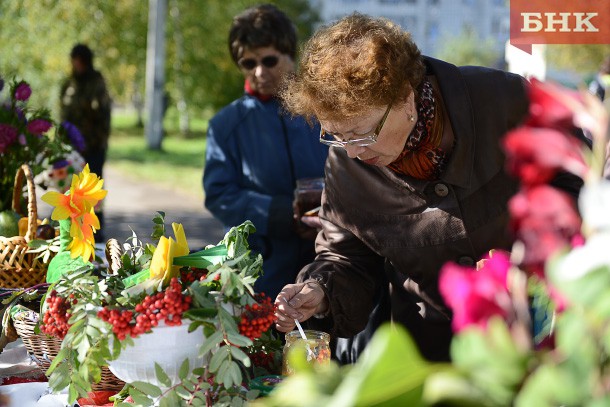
(64, 208)
(77, 205)
(161, 263)
(85, 192)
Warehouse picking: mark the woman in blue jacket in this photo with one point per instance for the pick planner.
(256, 152)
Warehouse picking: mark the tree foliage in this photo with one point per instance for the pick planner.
(584, 59)
(468, 49)
(39, 34)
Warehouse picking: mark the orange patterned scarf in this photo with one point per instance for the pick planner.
(422, 158)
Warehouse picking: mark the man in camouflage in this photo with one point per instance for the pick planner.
(85, 103)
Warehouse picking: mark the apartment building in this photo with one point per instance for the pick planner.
(431, 21)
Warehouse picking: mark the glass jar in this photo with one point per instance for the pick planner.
(318, 343)
(308, 195)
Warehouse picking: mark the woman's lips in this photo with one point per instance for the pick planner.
(371, 161)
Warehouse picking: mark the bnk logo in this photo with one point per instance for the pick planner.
(559, 22)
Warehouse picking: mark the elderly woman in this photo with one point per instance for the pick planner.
(414, 179)
(256, 153)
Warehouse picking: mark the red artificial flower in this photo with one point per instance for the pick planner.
(39, 126)
(23, 92)
(535, 155)
(552, 105)
(476, 295)
(546, 220)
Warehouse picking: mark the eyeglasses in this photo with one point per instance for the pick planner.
(332, 140)
(250, 63)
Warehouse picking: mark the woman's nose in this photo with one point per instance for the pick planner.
(353, 151)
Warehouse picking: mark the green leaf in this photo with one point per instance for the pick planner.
(147, 388)
(238, 340)
(224, 375)
(162, 377)
(235, 373)
(201, 314)
(217, 359)
(183, 393)
(190, 386)
(184, 369)
(171, 399)
(72, 393)
(378, 378)
(210, 343)
(139, 398)
(240, 355)
(61, 355)
(197, 402)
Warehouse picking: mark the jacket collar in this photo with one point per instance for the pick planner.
(457, 103)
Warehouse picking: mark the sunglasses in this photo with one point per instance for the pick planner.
(268, 62)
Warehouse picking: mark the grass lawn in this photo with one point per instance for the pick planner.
(179, 165)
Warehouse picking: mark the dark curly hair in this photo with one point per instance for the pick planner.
(262, 26)
(352, 65)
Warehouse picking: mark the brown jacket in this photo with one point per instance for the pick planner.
(375, 220)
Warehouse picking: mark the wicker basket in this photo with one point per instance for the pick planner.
(18, 268)
(43, 348)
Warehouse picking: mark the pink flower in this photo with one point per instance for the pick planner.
(39, 126)
(476, 295)
(552, 105)
(23, 91)
(8, 135)
(545, 219)
(536, 154)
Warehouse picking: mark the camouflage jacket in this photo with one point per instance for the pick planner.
(85, 102)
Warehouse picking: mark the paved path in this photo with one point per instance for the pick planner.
(132, 203)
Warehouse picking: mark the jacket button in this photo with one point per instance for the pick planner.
(466, 261)
(441, 190)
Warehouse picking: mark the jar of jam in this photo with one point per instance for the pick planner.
(316, 348)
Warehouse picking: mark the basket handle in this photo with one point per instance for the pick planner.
(25, 172)
(113, 255)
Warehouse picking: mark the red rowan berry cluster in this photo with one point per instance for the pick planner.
(258, 317)
(193, 274)
(167, 305)
(55, 320)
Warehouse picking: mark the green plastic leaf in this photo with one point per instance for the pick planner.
(183, 393)
(162, 377)
(136, 278)
(203, 258)
(147, 388)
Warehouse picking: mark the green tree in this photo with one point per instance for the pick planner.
(468, 49)
(38, 36)
(583, 59)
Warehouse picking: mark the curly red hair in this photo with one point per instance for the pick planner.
(352, 65)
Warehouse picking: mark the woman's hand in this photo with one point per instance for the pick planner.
(299, 301)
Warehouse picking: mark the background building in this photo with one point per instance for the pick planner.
(432, 22)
